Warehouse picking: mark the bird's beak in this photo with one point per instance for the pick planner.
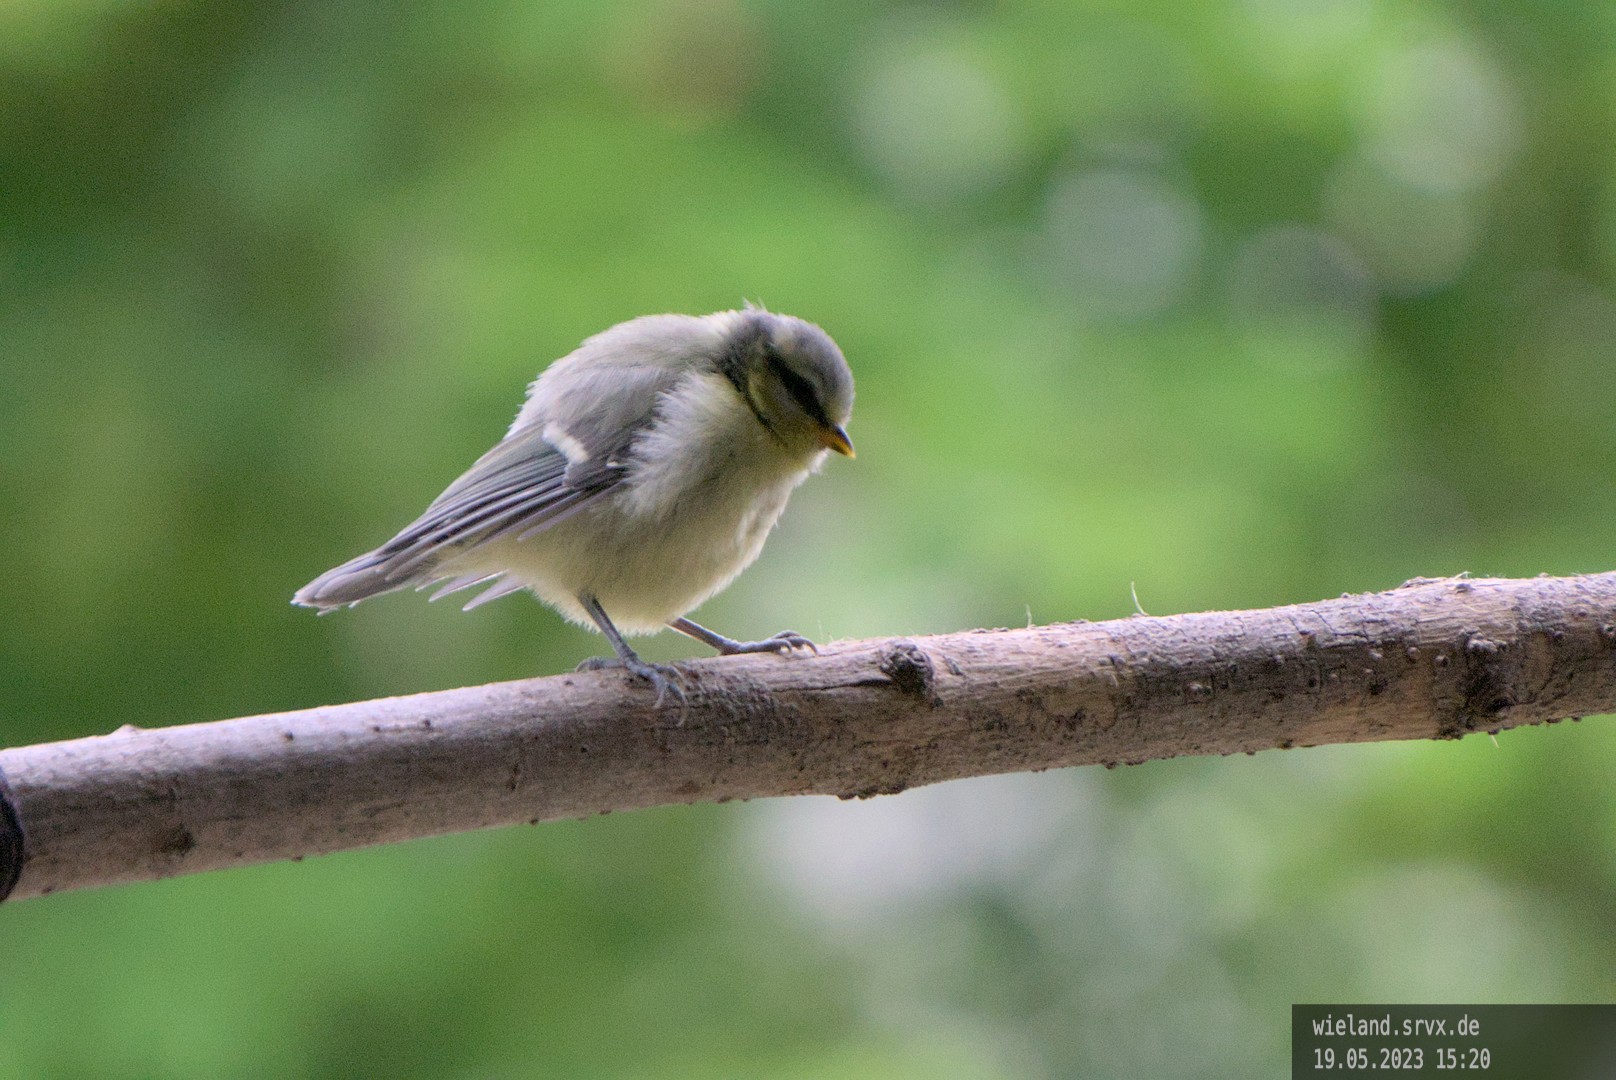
(836, 439)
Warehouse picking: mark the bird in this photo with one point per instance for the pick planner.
(642, 474)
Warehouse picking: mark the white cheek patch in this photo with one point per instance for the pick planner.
(570, 448)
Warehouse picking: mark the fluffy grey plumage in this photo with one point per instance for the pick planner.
(641, 476)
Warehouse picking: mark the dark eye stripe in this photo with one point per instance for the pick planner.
(799, 388)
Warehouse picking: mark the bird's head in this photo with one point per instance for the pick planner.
(794, 378)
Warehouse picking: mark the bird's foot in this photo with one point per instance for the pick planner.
(783, 642)
(662, 677)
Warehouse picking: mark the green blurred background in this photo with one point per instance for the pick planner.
(1243, 302)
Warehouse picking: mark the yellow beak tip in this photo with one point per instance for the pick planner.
(836, 439)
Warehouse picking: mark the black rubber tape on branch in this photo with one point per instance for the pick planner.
(13, 848)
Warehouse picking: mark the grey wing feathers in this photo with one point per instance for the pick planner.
(521, 486)
(518, 487)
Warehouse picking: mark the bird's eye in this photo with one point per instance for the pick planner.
(800, 389)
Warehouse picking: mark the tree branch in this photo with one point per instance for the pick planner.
(1433, 659)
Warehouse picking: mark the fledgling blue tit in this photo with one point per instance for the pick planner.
(642, 474)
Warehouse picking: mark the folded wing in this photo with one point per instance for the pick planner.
(544, 471)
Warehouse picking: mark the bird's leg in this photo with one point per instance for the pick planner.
(783, 642)
(661, 676)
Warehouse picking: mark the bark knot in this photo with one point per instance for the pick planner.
(909, 669)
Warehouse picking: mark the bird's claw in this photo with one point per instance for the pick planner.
(786, 640)
(662, 677)
(780, 643)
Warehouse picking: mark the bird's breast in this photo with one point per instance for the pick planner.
(704, 487)
(706, 455)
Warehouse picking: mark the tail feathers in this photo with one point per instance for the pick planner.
(353, 581)
(502, 585)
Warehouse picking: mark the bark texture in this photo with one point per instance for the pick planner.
(1432, 659)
